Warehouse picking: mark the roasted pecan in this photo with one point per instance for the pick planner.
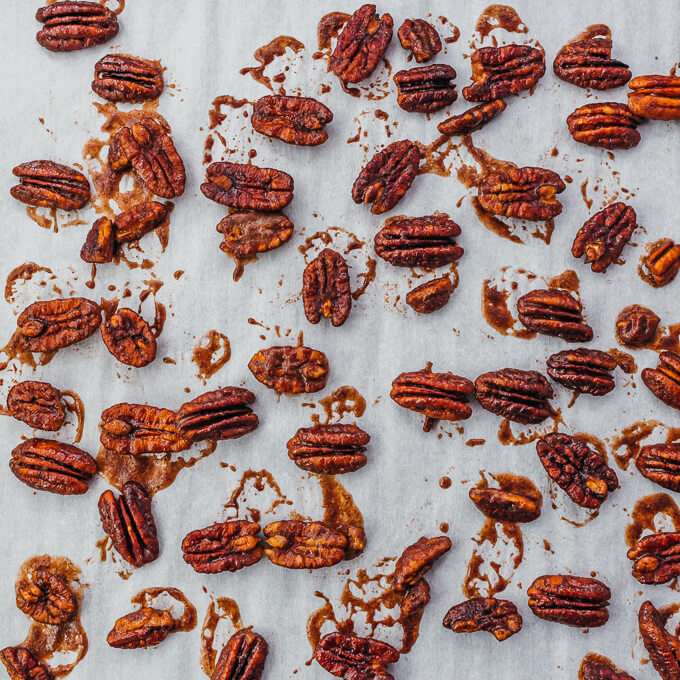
(355, 658)
(361, 44)
(356, 539)
(325, 288)
(526, 193)
(50, 185)
(572, 600)
(53, 466)
(660, 463)
(147, 148)
(662, 647)
(552, 311)
(430, 296)
(426, 89)
(295, 544)
(100, 245)
(472, 119)
(45, 597)
(636, 325)
(242, 658)
(248, 187)
(418, 559)
(75, 25)
(329, 449)
(498, 617)
(601, 670)
(501, 71)
(145, 627)
(656, 97)
(37, 404)
(120, 78)
(295, 120)
(129, 523)
(507, 506)
(415, 598)
(421, 38)
(608, 125)
(581, 472)
(387, 176)
(656, 558)
(290, 370)
(662, 262)
(22, 665)
(248, 233)
(142, 218)
(664, 381)
(588, 371)
(129, 338)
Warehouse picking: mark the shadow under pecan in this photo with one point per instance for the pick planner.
(608, 125)
(294, 120)
(664, 381)
(22, 665)
(325, 288)
(498, 617)
(661, 263)
(246, 234)
(349, 656)
(660, 463)
(290, 370)
(129, 523)
(472, 119)
(507, 506)
(361, 44)
(145, 627)
(656, 97)
(656, 558)
(554, 312)
(47, 184)
(636, 325)
(420, 38)
(129, 338)
(46, 597)
(430, 296)
(121, 78)
(329, 449)
(387, 176)
(295, 544)
(418, 559)
(242, 658)
(662, 647)
(426, 89)
(601, 670)
(587, 371)
(75, 25)
(37, 404)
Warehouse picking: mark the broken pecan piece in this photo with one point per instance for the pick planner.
(661, 263)
(656, 97)
(329, 449)
(50, 185)
(129, 338)
(355, 658)
(426, 89)
(294, 120)
(325, 288)
(555, 312)
(295, 544)
(22, 665)
(100, 244)
(608, 125)
(75, 25)
(418, 559)
(498, 617)
(601, 669)
(121, 78)
(45, 597)
(656, 558)
(290, 370)
(664, 381)
(145, 627)
(242, 658)
(142, 218)
(588, 371)
(636, 325)
(660, 463)
(246, 234)
(507, 506)
(472, 119)
(430, 296)
(662, 647)
(421, 38)
(37, 404)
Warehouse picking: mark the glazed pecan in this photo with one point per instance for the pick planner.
(247, 234)
(498, 617)
(501, 71)
(75, 25)
(472, 119)
(53, 466)
(120, 78)
(664, 381)
(662, 647)
(662, 262)
(507, 506)
(588, 371)
(37, 404)
(129, 338)
(147, 148)
(295, 544)
(656, 97)
(329, 449)
(295, 120)
(387, 176)
(415, 598)
(581, 472)
(45, 597)
(248, 187)
(145, 627)
(526, 193)
(356, 539)
(142, 218)
(520, 396)
(419, 241)
(355, 658)
(656, 558)
(22, 665)
(290, 370)
(430, 296)
(660, 463)
(426, 89)
(100, 244)
(572, 600)
(636, 325)
(361, 44)
(50, 185)
(325, 288)
(129, 523)
(228, 546)
(242, 658)
(608, 125)
(552, 311)
(418, 559)
(601, 670)
(421, 38)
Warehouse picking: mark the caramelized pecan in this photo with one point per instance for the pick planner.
(426, 89)
(290, 370)
(418, 559)
(295, 544)
(75, 25)
(498, 617)
(120, 78)
(142, 218)
(129, 338)
(421, 38)
(145, 627)
(472, 119)
(37, 404)
(45, 597)
(664, 381)
(608, 125)
(242, 658)
(325, 288)
(552, 311)
(246, 234)
(329, 449)
(660, 463)
(22, 665)
(100, 244)
(295, 120)
(601, 669)
(662, 647)
(636, 325)
(661, 263)
(507, 506)
(355, 658)
(415, 598)
(588, 371)
(356, 539)
(656, 97)
(50, 185)
(656, 558)
(430, 296)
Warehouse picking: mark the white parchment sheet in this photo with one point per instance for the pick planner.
(47, 111)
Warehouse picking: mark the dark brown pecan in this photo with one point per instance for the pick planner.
(120, 78)
(294, 120)
(636, 325)
(220, 414)
(472, 119)
(75, 25)
(430, 296)
(355, 658)
(361, 44)
(498, 617)
(656, 97)
(45, 597)
(660, 463)
(356, 539)
(662, 262)
(419, 241)
(228, 546)
(572, 600)
(329, 449)
(145, 627)
(22, 665)
(248, 187)
(247, 234)
(664, 381)
(242, 658)
(325, 288)
(507, 506)
(662, 647)
(100, 245)
(295, 544)
(53, 466)
(656, 558)
(129, 523)
(418, 559)
(147, 148)
(501, 71)
(608, 125)
(129, 338)
(520, 396)
(142, 218)
(426, 89)
(552, 311)
(592, 669)
(526, 193)
(290, 370)
(581, 472)
(416, 598)
(37, 404)
(421, 38)
(387, 176)
(50, 185)
(588, 371)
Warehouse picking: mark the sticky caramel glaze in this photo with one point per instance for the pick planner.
(338, 504)
(344, 400)
(160, 315)
(366, 277)
(625, 361)
(497, 313)
(185, 622)
(433, 157)
(15, 349)
(445, 482)
(328, 29)
(644, 513)
(211, 353)
(266, 54)
(217, 115)
(631, 439)
(455, 31)
(221, 609)
(499, 16)
(567, 280)
(74, 404)
(24, 272)
(665, 339)
(508, 438)
(591, 657)
(260, 480)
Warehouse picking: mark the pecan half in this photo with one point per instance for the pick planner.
(520, 396)
(100, 244)
(45, 597)
(426, 89)
(361, 44)
(22, 665)
(325, 288)
(498, 617)
(290, 370)
(581, 472)
(556, 312)
(53, 466)
(664, 381)
(349, 656)
(572, 600)
(588, 371)
(430, 296)
(242, 658)
(142, 218)
(506, 506)
(50, 185)
(662, 647)
(661, 264)
(421, 38)
(472, 119)
(120, 78)
(656, 97)
(656, 558)
(418, 559)
(387, 176)
(246, 234)
(416, 598)
(37, 404)
(601, 670)
(294, 120)
(660, 463)
(329, 449)
(295, 544)
(145, 627)
(75, 25)
(130, 524)
(608, 125)
(636, 325)
(129, 338)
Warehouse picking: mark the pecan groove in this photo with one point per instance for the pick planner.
(75, 25)
(294, 120)
(329, 449)
(656, 97)
(295, 544)
(554, 312)
(417, 560)
(247, 234)
(220, 414)
(145, 627)
(37, 404)
(325, 288)
(662, 647)
(50, 185)
(607, 125)
(660, 463)
(290, 370)
(22, 665)
(498, 617)
(472, 119)
(661, 264)
(588, 371)
(664, 381)
(120, 78)
(46, 597)
(636, 325)
(421, 38)
(129, 338)
(656, 558)
(426, 89)
(242, 658)
(355, 658)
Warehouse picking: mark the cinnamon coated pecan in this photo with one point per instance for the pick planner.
(120, 78)
(661, 263)
(507, 506)
(295, 544)
(37, 404)
(421, 38)
(426, 89)
(656, 97)
(329, 449)
(290, 370)
(636, 325)
(45, 597)
(129, 338)
(588, 371)
(608, 125)
(100, 244)
(498, 617)
(601, 669)
(660, 463)
(50, 185)
(656, 558)
(246, 234)
(349, 656)
(664, 381)
(418, 559)
(22, 665)
(472, 119)
(294, 120)
(325, 288)
(242, 658)
(662, 647)
(552, 311)
(75, 25)
(430, 296)
(145, 627)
